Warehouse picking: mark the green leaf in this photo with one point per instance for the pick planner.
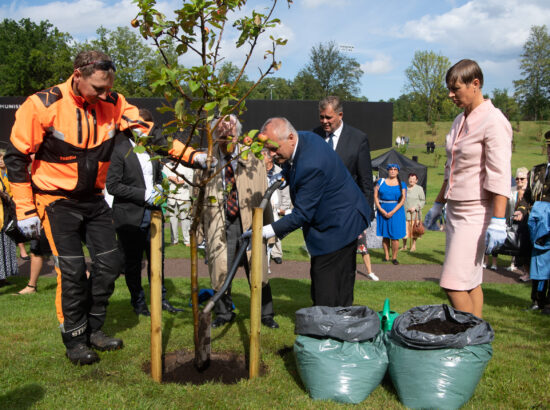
(210, 106)
(193, 85)
(139, 149)
(212, 199)
(252, 133)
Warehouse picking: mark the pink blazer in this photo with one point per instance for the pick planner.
(479, 153)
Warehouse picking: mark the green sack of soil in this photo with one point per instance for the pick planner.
(437, 356)
(339, 352)
(346, 372)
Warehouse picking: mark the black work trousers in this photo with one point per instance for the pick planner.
(81, 302)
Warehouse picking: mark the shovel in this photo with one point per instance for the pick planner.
(203, 348)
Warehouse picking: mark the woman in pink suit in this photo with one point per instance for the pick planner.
(476, 187)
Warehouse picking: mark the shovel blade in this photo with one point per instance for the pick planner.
(202, 348)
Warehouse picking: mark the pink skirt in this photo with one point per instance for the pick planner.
(465, 228)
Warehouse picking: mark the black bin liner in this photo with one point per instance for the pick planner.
(437, 356)
(349, 324)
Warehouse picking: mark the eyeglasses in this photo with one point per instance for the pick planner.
(521, 179)
(102, 65)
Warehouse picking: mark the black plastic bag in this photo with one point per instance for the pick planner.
(349, 324)
(473, 330)
(437, 356)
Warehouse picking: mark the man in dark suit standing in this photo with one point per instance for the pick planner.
(351, 144)
(328, 206)
(134, 182)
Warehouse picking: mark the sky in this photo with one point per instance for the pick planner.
(382, 35)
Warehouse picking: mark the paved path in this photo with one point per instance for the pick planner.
(300, 270)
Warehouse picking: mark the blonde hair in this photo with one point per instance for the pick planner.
(522, 171)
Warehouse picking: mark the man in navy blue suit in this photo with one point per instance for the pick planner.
(328, 206)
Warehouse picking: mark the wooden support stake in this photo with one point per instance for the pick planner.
(156, 296)
(256, 292)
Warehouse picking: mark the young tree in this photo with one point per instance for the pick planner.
(34, 56)
(199, 92)
(533, 90)
(336, 73)
(426, 77)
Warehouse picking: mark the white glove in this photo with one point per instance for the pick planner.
(267, 232)
(154, 194)
(433, 214)
(200, 159)
(495, 235)
(30, 227)
(278, 177)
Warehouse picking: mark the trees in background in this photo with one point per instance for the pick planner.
(426, 82)
(336, 73)
(533, 90)
(133, 58)
(33, 56)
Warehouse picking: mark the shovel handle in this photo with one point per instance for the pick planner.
(240, 253)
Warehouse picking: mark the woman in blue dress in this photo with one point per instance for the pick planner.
(389, 197)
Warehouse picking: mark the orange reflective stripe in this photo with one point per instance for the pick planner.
(41, 202)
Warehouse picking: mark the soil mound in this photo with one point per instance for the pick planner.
(225, 368)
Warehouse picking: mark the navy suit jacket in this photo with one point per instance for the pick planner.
(328, 204)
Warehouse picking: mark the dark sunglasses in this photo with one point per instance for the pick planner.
(102, 65)
(521, 179)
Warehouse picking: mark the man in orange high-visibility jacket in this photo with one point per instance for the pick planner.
(70, 129)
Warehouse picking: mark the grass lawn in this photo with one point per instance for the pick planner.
(36, 374)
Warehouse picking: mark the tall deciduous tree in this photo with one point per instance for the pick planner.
(33, 57)
(533, 90)
(336, 73)
(425, 78)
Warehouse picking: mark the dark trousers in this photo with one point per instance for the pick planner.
(82, 302)
(540, 292)
(333, 277)
(224, 307)
(133, 241)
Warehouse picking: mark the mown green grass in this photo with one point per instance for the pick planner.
(36, 374)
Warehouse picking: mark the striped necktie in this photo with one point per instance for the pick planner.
(232, 206)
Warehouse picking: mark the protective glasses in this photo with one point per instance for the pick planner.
(102, 65)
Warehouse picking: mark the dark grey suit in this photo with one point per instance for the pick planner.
(354, 150)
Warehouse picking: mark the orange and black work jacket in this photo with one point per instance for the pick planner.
(72, 142)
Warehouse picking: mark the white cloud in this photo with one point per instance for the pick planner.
(381, 64)
(497, 28)
(311, 4)
(81, 18)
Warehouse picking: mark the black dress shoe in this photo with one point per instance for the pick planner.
(100, 341)
(142, 310)
(169, 308)
(270, 322)
(395, 261)
(81, 354)
(278, 260)
(220, 321)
